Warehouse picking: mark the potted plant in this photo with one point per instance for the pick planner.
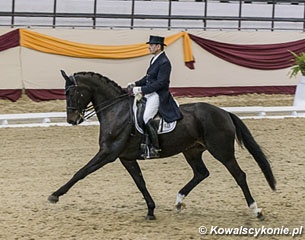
(298, 67)
(298, 64)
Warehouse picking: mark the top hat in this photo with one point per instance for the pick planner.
(156, 40)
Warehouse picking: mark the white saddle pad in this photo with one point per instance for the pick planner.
(164, 127)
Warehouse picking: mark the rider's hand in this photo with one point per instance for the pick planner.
(138, 97)
(130, 86)
(137, 92)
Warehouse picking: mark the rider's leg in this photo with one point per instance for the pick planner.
(152, 129)
(151, 109)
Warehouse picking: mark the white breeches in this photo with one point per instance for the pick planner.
(152, 106)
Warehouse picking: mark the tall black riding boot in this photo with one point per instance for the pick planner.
(154, 149)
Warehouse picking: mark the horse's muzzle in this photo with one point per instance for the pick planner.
(74, 118)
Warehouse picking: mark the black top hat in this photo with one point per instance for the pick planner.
(156, 40)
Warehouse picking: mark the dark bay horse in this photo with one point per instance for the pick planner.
(204, 127)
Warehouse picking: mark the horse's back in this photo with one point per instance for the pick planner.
(206, 112)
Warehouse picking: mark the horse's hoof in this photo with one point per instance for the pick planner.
(53, 199)
(180, 206)
(150, 217)
(261, 215)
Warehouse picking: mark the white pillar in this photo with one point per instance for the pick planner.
(299, 97)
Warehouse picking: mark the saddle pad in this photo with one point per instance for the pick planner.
(164, 127)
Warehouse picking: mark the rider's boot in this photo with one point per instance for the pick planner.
(154, 149)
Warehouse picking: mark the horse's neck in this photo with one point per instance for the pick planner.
(109, 88)
(104, 89)
(105, 96)
(107, 93)
(114, 109)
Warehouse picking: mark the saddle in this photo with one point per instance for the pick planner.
(163, 126)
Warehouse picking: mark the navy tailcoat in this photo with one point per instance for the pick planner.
(157, 80)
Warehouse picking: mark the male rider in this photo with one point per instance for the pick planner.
(154, 86)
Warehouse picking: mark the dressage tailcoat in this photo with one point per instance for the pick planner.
(157, 80)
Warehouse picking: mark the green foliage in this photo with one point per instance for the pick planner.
(298, 64)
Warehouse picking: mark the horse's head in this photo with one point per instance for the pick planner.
(77, 99)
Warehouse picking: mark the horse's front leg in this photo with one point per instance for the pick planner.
(98, 161)
(134, 170)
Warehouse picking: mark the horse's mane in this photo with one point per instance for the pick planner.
(105, 79)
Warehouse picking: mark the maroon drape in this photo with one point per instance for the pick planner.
(54, 94)
(230, 91)
(10, 94)
(45, 94)
(260, 56)
(9, 40)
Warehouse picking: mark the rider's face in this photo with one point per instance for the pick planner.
(154, 48)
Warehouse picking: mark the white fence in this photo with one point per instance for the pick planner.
(59, 118)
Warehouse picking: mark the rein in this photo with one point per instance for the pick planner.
(91, 109)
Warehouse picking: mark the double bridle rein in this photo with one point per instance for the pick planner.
(102, 106)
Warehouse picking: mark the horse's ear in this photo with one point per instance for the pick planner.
(65, 75)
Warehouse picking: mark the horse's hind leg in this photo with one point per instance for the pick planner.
(194, 159)
(220, 143)
(134, 170)
(240, 177)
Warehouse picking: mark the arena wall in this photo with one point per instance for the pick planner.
(25, 68)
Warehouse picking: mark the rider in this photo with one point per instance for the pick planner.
(154, 86)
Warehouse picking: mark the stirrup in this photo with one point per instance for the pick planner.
(152, 153)
(149, 152)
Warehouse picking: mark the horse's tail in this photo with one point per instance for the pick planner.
(244, 137)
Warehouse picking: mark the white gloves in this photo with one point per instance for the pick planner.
(138, 93)
(136, 90)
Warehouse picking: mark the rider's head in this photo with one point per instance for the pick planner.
(156, 44)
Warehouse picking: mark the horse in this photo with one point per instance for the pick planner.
(203, 127)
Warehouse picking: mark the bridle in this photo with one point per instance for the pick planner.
(74, 103)
(90, 110)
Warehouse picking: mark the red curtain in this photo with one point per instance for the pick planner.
(45, 94)
(9, 40)
(216, 91)
(260, 56)
(10, 94)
